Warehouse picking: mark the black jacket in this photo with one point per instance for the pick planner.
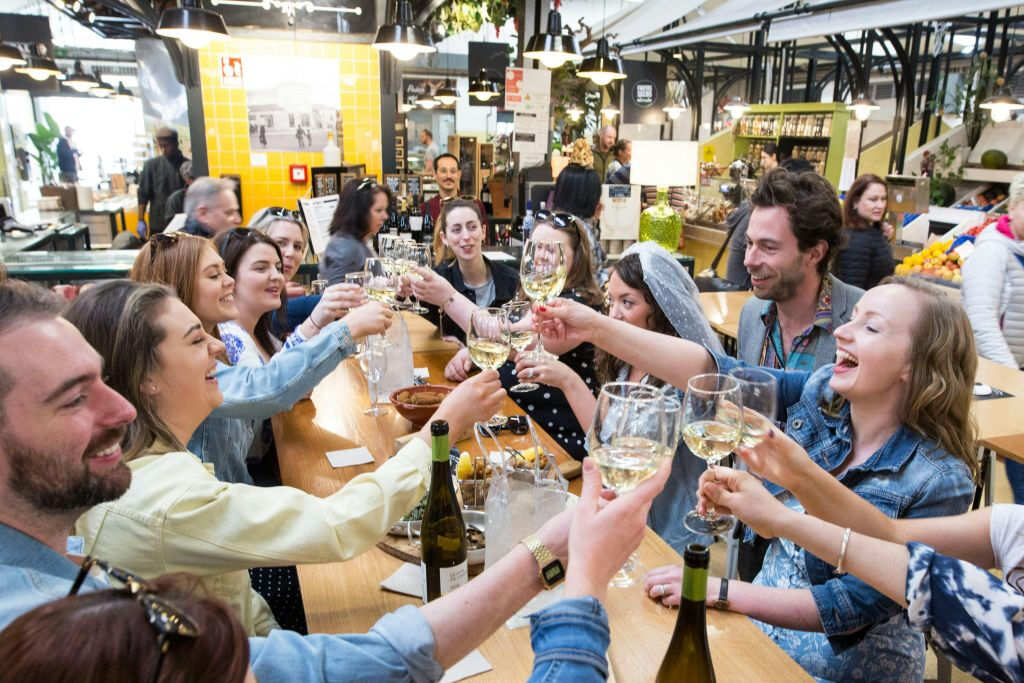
(506, 284)
(865, 259)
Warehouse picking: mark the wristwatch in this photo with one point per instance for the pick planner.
(722, 601)
(552, 572)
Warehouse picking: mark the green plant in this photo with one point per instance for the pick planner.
(456, 16)
(44, 140)
(948, 172)
(568, 92)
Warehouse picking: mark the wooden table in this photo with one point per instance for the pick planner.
(346, 597)
(1000, 427)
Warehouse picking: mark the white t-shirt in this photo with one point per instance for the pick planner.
(1007, 536)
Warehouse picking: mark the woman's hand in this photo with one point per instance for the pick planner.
(780, 460)
(336, 301)
(475, 400)
(551, 372)
(294, 289)
(603, 535)
(371, 318)
(888, 230)
(739, 493)
(665, 584)
(459, 367)
(433, 288)
(565, 320)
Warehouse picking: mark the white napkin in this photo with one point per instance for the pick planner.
(349, 457)
(407, 580)
(421, 373)
(471, 665)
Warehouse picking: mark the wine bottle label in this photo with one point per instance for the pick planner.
(416, 223)
(695, 584)
(451, 578)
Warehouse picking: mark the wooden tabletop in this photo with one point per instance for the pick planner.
(346, 597)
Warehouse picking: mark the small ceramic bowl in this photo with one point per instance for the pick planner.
(413, 412)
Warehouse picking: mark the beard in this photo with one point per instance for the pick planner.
(47, 481)
(787, 281)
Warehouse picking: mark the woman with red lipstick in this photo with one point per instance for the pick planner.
(866, 257)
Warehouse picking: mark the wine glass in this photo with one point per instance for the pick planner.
(381, 283)
(760, 400)
(521, 334)
(542, 275)
(419, 256)
(712, 428)
(373, 362)
(627, 441)
(489, 344)
(318, 287)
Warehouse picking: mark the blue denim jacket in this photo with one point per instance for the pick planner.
(910, 476)
(252, 395)
(570, 637)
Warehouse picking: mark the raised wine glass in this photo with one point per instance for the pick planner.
(521, 334)
(627, 441)
(373, 362)
(381, 284)
(760, 401)
(489, 344)
(419, 256)
(542, 274)
(712, 428)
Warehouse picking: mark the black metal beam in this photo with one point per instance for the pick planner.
(696, 107)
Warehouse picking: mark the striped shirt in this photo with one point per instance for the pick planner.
(802, 350)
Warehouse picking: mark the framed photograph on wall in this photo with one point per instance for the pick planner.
(394, 183)
(345, 177)
(414, 185)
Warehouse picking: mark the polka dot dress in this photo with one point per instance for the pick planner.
(279, 586)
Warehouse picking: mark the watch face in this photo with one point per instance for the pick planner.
(553, 572)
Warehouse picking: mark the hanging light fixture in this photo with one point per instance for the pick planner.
(123, 93)
(403, 38)
(862, 108)
(1002, 104)
(79, 81)
(407, 107)
(38, 66)
(574, 113)
(447, 94)
(426, 100)
(602, 68)
(737, 107)
(674, 110)
(191, 24)
(483, 88)
(553, 47)
(103, 89)
(10, 56)
(610, 111)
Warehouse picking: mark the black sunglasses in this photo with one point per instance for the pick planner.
(282, 212)
(516, 424)
(165, 618)
(245, 234)
(464, 197)
(367, 182)
(559, 220)
(161, 239)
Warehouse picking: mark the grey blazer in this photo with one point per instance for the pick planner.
(344, 254)
(751, 331)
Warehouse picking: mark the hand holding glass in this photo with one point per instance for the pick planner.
(489, 343)
(542, 275)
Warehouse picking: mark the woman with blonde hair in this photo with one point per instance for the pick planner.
(890, 421)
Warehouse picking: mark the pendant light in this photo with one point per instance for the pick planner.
(426, 100)
(574, 113)
(403, 38)
(737, 107)
(610, 112)
(602, 68)
(862, 108)
(79, 81)
(447, 94)
(103, 89)
(553, 47)
(123, 93)
(10, 56)
(38, 66)
(1002, 104)
(674, 110)
(483, 88)
(192, 25)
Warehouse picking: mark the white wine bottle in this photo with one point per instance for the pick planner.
(443, 543)
(688, 659)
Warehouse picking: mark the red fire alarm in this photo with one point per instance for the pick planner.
(298, 173)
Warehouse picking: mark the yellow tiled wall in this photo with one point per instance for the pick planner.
(227, 122)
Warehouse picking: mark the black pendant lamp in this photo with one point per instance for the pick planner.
(102, 89)
(123, 93)
(403, 38)
(79, 81)
(10, 56)
(483, 88)
(447, 94)
(553, 47)
(38, 66)
(192, 25)
(602, 68)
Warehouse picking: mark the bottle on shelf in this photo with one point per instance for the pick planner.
(404, 231)
(528, 221)
(428, 229)
(332, 153)
(416, 219)
(688, 659)
(443, 545)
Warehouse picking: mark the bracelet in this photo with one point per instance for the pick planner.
(314, 322)
(842, 552)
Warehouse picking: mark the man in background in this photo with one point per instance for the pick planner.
(430, 149)
(176, 202)
(448, 176)
(159, 179)
(603, 151)
(68, 159)
(211, 206)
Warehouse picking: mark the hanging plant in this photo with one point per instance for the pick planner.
(456, 16)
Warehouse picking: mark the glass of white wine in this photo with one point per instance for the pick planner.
(419, 256)
(542, 275)
(627, 441)
(373, 362)
(521, 334)
(712, 428)
(760, 402)
(489, 344)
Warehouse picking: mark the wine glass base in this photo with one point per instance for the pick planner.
(523, 387)
(418, 309)
(711, 526)
(628, 573)
(376, 411)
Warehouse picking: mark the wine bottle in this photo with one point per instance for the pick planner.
(416, 219)
(442, 532)
(428, 227)
(688, 659)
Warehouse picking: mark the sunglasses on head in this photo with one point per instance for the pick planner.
(166, 619)
(367, 182)
(559, 220)
(161, 239)
(282, 212)
(245, 234)
(464, 197)
(516, 424)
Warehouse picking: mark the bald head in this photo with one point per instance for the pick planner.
(606, 138)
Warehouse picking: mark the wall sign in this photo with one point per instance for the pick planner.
(644, 92)
(231, 72)
(298, 173)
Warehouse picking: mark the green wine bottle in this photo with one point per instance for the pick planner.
(688, 659)
(443, 543)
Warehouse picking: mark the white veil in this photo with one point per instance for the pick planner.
(676, 294)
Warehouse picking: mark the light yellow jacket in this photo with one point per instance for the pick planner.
(178, 517)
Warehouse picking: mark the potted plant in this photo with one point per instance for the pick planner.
(44, 139)
(948, 172)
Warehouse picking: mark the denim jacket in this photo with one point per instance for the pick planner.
(910, 476)
(570, 637)
(255, 394)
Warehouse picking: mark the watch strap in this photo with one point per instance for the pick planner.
(542, 554)
(722, 601)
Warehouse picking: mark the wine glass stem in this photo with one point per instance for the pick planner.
(709, 509)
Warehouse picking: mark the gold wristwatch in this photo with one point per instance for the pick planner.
(552, 572)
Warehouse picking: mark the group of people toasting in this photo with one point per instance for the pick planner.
(850, 409)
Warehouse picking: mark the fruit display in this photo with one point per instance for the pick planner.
(937, 260)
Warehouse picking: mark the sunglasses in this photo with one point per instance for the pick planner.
(463, 197)
(245, 234)
(161, 239)
(367, 182)
(282, 212)
(559, 220)
(517, 424)
(165, 618)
